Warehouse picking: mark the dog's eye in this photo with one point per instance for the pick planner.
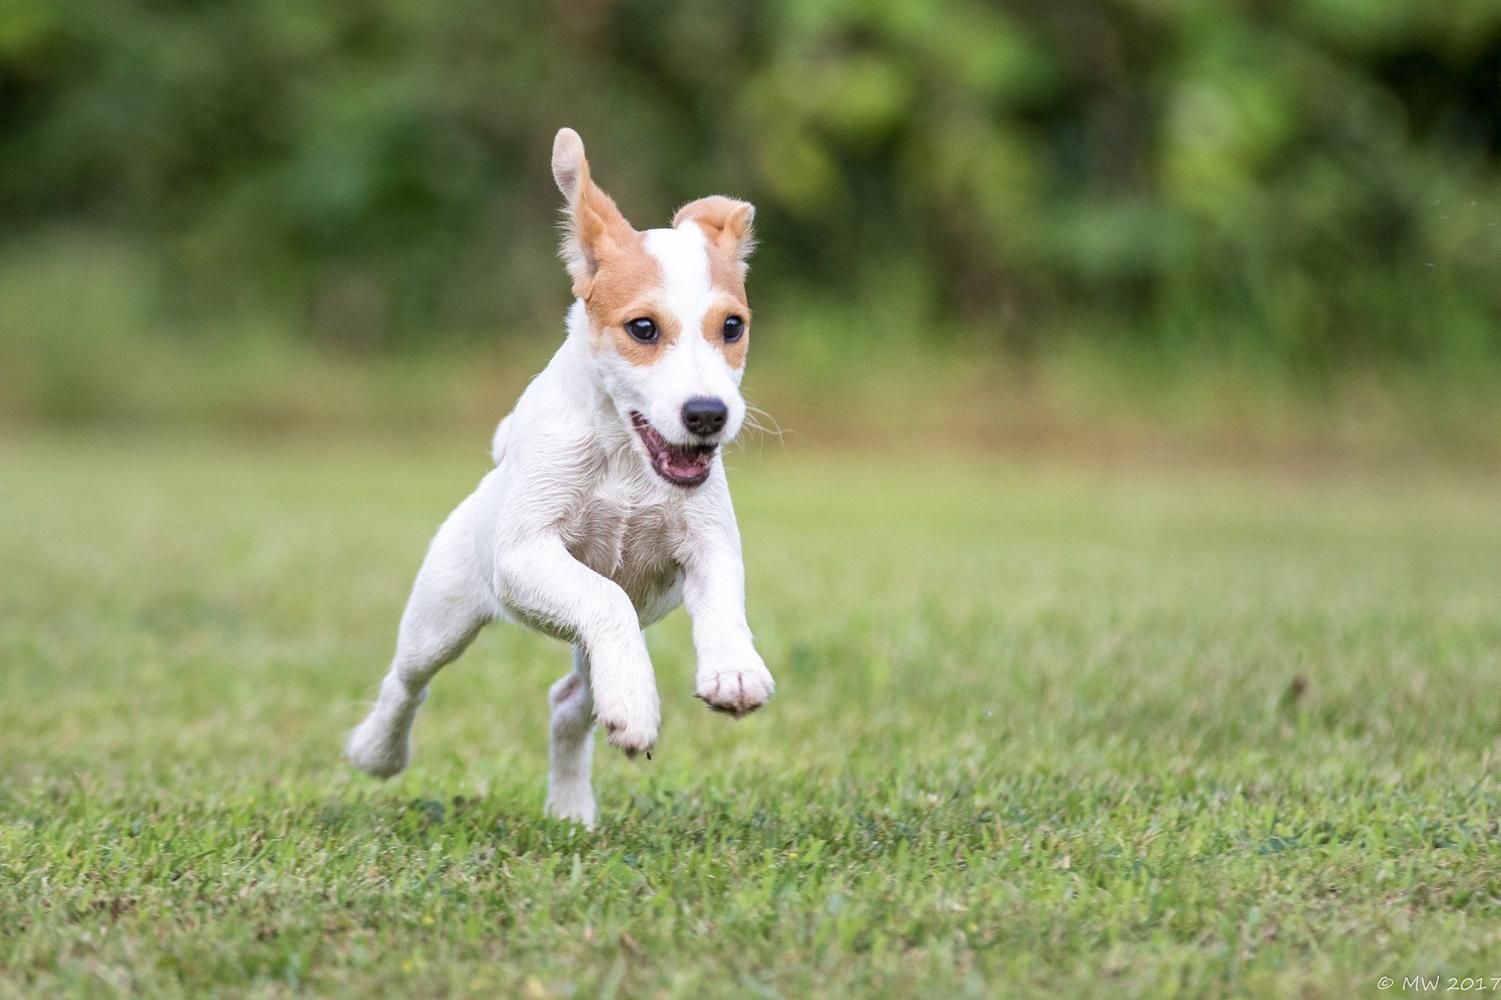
(733, 328)
(643, 330)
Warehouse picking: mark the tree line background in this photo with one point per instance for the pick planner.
(1300, 186)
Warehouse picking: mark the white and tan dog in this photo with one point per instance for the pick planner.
(608, 504)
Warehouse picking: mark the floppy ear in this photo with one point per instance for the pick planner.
(593, 223)
(726, 222)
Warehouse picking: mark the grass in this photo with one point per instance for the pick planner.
(1040, 729)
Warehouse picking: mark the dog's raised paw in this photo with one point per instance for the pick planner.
(631, 728)
(736, 692)
(631, 739)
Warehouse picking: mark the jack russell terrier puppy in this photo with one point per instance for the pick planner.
(608, 504)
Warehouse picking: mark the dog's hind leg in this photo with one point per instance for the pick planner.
(571, 746)
(449, 605)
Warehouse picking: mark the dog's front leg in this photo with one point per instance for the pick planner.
(731, 675)
(543, 584)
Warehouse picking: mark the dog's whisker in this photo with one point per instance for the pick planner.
(754, 415)
(761, 426)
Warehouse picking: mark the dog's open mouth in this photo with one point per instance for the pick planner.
(679, 464)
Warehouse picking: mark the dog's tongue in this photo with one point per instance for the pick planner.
(685, 463)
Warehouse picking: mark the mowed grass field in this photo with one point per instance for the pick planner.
(1040, 729)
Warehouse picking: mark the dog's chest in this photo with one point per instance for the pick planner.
(625, 532)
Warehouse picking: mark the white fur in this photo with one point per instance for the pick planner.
(573, 534)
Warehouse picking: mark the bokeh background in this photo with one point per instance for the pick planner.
(1272, 225)
(1128, 559)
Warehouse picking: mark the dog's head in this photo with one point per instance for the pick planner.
(669, 324)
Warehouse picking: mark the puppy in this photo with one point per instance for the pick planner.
(608, 504)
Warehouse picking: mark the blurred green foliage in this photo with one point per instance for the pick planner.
(1312, 184)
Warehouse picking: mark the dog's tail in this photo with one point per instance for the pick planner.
(498, 442)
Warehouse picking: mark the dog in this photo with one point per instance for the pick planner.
(608, 504)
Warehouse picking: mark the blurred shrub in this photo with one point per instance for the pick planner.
(1309, 184)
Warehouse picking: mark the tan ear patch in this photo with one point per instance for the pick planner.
(594, 224)
(727, 224)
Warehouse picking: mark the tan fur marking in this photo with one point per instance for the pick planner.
(725, 272)
(595, 228)
(726, 223)
(612, 271)
(626, 287)
(724, 219)
(724, 307)
(637, 353)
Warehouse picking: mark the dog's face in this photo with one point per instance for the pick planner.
(669, 325)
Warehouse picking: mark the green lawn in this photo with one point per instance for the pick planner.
(1039, 728)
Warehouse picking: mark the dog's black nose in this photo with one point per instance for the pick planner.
(705, 415)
